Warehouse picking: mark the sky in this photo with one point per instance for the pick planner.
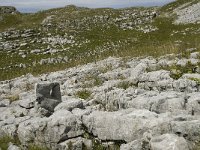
(36, 5)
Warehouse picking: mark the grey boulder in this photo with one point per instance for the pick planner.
(13, 147)
(190, 130)
(32, 130)
(60, 126)
(125, 125)
(134, 145)
(63, 125)
(70, 104)
(76, 144)
(168, 142)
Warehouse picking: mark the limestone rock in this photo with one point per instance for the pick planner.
(81, 112)
(12, 112)
(137, 105)
(8, 127)
(185, 85)
(70, 104)
(186, 129)
(32, 130)
(189, 14)
(26, 103)
(63, 125)
(126, 125)
(4, 103)
(13, 147)
(76, 144)
(135, 145)
(191, 76)
(8, 10)
(193, 104)
(137, 71)
(168, 142)
(162, 102)
(194, 55)
(157, 80)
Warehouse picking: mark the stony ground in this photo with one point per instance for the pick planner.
(188, 13)
(135, 103)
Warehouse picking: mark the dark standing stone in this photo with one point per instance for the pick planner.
(48, 96)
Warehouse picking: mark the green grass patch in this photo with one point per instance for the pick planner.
(13, 98)
(36, 147)
(196, 79)
(92, 80)
(97, 145)
(84, 94)
(4, 142)
(125, 85)
(177, 71)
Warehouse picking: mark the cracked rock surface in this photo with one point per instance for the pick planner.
(127, 104)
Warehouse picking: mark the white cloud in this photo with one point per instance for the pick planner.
(44, 4)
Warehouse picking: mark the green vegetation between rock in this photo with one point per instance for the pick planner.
(4, 142)
(84, 94)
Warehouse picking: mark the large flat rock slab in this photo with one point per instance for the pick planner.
(126, 125)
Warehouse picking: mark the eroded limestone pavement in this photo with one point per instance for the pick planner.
(116, 103)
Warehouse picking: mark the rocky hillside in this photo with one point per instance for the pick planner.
(144, 97)
(188, 14)
(58, 38)
(8, 10)
(65, 37)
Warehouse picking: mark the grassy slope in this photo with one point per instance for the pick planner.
(132, 43)
(171, 6)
